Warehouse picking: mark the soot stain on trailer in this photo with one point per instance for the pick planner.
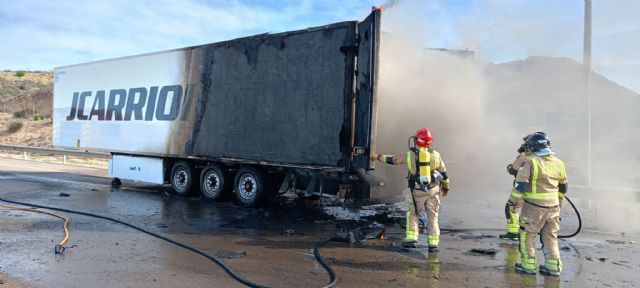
(274, 94)
(180, 135)
(250, 49)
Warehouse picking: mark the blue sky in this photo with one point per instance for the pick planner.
(42, 34)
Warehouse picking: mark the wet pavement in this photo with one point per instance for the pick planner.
(270, 246)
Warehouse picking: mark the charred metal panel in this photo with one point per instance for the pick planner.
(365, 108)
(276, 98)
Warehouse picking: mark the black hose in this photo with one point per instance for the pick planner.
(579, 221)
(214, 259)
(325, 265)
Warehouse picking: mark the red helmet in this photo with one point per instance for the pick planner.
(423, 137)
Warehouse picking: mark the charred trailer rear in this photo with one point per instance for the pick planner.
(252, 116)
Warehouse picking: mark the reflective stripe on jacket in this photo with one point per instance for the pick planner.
(543, 174)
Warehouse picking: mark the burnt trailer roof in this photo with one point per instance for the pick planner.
(240, 39)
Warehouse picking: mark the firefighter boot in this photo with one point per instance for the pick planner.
(522, 270)
(509, 236)
(546, 271)
(409, 244)
(551, 267)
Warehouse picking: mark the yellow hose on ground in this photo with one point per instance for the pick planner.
(66, 222)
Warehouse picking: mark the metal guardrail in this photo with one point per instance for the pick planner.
(55, 151)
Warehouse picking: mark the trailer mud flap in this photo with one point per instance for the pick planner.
(365, 117)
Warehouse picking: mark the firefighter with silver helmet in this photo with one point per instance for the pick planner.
(427, 180)
(541, 183)
(511, 208)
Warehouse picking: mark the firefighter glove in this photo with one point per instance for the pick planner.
(444, 186)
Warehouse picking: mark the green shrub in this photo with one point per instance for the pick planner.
(37, 117)
(14, 126)
(20, 73)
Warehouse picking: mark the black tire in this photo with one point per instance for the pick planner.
(214, 182)
(251, 186)
(183, 178)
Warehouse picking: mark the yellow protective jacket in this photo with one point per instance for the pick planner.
(539, 179)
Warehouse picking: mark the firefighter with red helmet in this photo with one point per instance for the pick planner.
(427, 180)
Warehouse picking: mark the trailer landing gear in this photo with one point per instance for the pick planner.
(116, 183)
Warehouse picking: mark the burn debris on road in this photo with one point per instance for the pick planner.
(230, 254)
(350, 236)
(482, 251)
(621, 263)
(378, 212)
(357, 231)
(475, 236)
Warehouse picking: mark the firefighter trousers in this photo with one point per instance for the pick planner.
(513, 219)
(536, 220)
(430, 202)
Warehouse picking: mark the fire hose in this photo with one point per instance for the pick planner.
(579, 221)
(59, 248)
(219, 262)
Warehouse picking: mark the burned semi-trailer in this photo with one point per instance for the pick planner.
(252, 116)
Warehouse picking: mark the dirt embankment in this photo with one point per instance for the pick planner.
(26, 100)
(26, 132)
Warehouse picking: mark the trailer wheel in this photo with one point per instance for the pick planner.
(251, 186)
(214, 182)
(183, 177)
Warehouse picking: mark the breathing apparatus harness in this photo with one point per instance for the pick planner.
(418, 163)
(419, 166)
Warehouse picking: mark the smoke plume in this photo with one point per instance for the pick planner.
(478, 113)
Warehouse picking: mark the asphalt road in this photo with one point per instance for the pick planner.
(271, 246)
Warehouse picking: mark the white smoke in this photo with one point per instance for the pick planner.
(469, 105)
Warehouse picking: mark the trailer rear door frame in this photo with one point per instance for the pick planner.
(365, 102)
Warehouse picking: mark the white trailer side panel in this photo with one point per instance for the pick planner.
(89, 89)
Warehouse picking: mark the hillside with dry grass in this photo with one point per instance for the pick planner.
(26, 100)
